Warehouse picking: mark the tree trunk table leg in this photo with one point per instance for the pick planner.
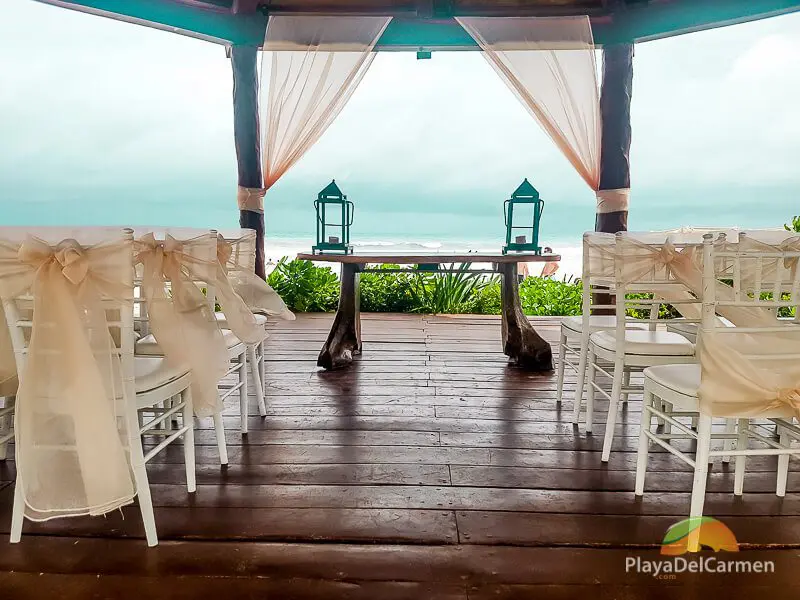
(521, 343)
(344, 340)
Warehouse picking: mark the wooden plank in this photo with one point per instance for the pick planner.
(469, 564)
(306, 474)
(516, 500)
(477, 527)
(19, 585)
(323, 524)
(616, 481)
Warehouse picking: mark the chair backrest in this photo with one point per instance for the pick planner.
(753, 369)
(19, 308)
(68, 304)
(200, 250)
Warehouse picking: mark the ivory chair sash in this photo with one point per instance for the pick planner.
(180, 318)
(71, 437)
(236, 257)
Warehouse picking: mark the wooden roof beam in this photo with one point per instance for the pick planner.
(201, 20)
(218, 22)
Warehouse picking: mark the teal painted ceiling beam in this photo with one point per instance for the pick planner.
(204, 21)
(639, 22)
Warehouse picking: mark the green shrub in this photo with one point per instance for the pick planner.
(389, 292)
(795, 226)
(446, 293)
(665, 311)
(487, 300)
(305, 287)
(548, 296)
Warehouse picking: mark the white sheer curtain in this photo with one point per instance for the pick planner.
(549, 63)
(313, 65)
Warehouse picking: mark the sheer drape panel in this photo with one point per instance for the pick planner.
(313, 65)
(549, 64)
(70, 423)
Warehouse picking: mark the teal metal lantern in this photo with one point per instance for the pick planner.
(334, 218)
(523, 213)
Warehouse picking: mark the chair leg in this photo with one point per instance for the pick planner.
(219, 430)
(188, 440)
(644, 442)
(263, 355)
(254, 369)
(700, 476)
(562, 352)
(143, 489)
(729, 443)
(741, 444)
(17, 513)
(613, 408)
(590, 392)
(783, 465)
(580, 384)
(666, 426)
(244, 408)
(626, 384)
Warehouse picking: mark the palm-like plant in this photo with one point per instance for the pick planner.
(447, 293)
(795, 226)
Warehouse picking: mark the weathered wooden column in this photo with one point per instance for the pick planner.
(247, 135)
(615, 107)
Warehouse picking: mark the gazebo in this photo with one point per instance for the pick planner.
(431, 469)
(430, 25)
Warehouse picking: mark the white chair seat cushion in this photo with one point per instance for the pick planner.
(147, 346)
(690, 329)
(684, 379)
(223, 322)
(152, 372)
(597, 322)
(646, 343)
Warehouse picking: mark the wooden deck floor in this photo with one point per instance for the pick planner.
(430, 469)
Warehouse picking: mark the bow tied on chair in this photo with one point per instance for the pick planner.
(70, 434)
(245, 289)
(181, 317)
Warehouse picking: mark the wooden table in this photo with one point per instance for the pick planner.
(521, 343)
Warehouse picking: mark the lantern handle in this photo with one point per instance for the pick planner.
(316, 209)
(505, 212)
(351, 211)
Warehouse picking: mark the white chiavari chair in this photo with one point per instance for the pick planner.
(94, 388)
(598, 284)
(640, 269)
(750, 372)
(199, 250)
(240, 263)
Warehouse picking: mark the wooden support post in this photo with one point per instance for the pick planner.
(247, 135)
(521, 343)
(344, 339)
(615, 107)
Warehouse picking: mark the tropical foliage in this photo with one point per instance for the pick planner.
(794, 226)
(306, 287)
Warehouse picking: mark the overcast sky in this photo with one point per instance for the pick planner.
(116, 119)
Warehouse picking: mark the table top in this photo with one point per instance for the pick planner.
(430, 259)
